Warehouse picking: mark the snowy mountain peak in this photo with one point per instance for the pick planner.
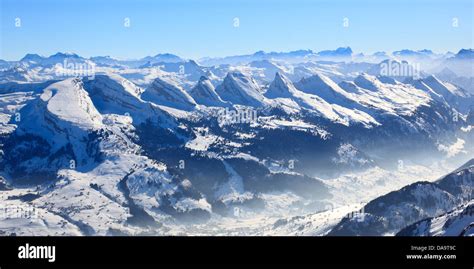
(68, 101)
(420, 84)
(64, 55)
(339, 52)
(167, 57)
(113, 94)
(125, 84)
(63, 108)
(165, 92)
(280, 87)
(323, 87)
(161, 58)
(280, 79)
(312, 83)
(31, 58)
(238, 88)
(105, 61)
(465, 54)
(407, 52)
(204, 93)
(447, 90)
(367, 81)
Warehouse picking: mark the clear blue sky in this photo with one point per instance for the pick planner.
(198, 28)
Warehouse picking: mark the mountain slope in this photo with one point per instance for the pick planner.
(392, 212)
(113, 94)
(325, 88)
(52, 133)
(283, 92)
(165, 93)
(459, 222)
(241, 90)
(455, 96)
(204, 93)
(67, 148)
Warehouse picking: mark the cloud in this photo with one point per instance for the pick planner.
(453, 149)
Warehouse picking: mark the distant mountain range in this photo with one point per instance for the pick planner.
(339, 54)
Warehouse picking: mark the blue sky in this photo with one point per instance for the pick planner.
(199, 28)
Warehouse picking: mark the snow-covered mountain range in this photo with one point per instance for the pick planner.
(162, 144)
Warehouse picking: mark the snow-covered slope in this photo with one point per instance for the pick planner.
(281, 87)
(19, 72)
(113, 94)
(459, 222)
(325, 88)
(204, 93)
(52, 132)
(398, 98)
(392, 212)
(455, 96)
(284, 93)
(68, 101)
(241, 90)
(64, 147)
(165, 93)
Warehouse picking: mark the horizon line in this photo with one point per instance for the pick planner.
(235, 55)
